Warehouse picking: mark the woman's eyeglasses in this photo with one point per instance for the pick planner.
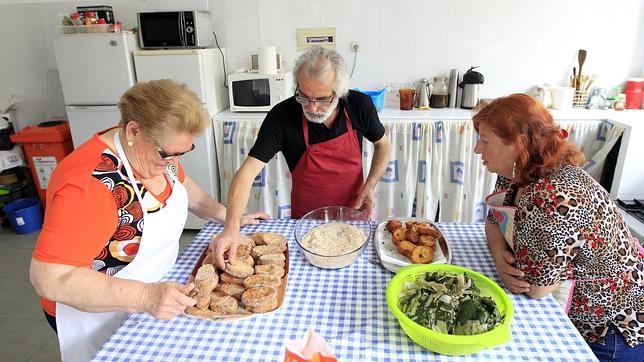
(167, 156)
(320, 102)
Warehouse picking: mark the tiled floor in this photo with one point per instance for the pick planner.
(27, 336)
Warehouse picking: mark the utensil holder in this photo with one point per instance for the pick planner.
(580, 99)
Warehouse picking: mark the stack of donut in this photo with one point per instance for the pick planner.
(415, 240)
(249, 284)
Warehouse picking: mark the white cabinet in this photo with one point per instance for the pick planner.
(85, 121)
(95, 69)
(200, 69)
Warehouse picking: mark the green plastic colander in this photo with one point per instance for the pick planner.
(448, 343)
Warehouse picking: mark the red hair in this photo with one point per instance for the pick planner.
(540, 145)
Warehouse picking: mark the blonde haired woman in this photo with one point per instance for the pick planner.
(116, 207)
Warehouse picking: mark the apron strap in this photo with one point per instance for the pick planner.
(121, 153)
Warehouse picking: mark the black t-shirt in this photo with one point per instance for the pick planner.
(282, 128)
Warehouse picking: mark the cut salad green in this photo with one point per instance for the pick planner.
(448, 302)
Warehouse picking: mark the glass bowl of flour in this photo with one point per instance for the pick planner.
(332, 237)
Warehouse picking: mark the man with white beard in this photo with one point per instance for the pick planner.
(319, 131)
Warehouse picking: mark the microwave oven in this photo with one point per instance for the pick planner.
(174, 29)
(256, 92)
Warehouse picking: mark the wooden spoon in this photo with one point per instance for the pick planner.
(581, 58)
(574, 77)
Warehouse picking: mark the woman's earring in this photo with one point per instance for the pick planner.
(130, 143)
(514, 169)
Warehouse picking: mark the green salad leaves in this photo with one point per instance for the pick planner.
(448, 302)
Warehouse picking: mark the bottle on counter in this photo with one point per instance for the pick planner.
(423, 94)
(453, 87)
(391, 95)
(620, 102)
(440, 95)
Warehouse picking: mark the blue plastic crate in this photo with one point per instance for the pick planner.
(377, 96)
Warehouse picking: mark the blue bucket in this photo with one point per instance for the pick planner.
(377, 96)
(25, 215)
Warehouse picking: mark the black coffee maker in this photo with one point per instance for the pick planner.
(470, 85)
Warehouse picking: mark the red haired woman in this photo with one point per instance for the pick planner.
(553, 229)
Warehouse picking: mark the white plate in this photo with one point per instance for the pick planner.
(393, 260)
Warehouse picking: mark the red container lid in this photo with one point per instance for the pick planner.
(634, 84)
(52, 131)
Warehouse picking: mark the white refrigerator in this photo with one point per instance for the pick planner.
(95, 70)
(202, 71)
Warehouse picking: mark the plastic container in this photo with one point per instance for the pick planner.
(633, 93)
(45, 146)
(448, 343)
(25, 215)
(562, 97)
(8, 177)
(330, 214)
(85, 29)
(6, 130)
(377, 97)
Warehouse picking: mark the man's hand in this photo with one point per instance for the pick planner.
(224, 243)
(510, 275)
(254, 218)
(364, 201)
(166, 300)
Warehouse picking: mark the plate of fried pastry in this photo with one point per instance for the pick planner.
(403, 241)
(255, 282)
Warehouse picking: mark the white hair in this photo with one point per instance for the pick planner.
(321, 63)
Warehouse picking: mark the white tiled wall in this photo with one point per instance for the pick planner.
(516, 43)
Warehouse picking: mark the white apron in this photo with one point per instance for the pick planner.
(505, 215)
(81, 334)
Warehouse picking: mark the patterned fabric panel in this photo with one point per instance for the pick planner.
(123, 246)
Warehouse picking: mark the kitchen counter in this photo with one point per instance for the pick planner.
(457, 113)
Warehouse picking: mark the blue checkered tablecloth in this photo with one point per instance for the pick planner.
(345, 306)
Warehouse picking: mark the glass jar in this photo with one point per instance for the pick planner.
(90, 18)
(440, 93)
(620, 102)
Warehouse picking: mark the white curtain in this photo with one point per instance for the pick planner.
(433, 167)
(596, 139)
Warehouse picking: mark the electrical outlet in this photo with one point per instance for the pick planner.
(355, 46)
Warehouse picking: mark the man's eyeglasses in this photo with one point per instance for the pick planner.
(167, 156)
(320, 102)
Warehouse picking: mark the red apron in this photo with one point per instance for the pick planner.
(328, 173)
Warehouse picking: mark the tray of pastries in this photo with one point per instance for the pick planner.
(255, 282)
(405, 240)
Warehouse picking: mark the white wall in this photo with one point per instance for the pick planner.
(516, 43)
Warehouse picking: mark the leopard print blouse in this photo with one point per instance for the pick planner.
(567, 227)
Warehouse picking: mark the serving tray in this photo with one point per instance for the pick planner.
(391, 259)
(242, 313)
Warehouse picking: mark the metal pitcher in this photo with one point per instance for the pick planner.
(424, 92)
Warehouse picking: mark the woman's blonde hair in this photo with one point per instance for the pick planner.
(163, 108)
